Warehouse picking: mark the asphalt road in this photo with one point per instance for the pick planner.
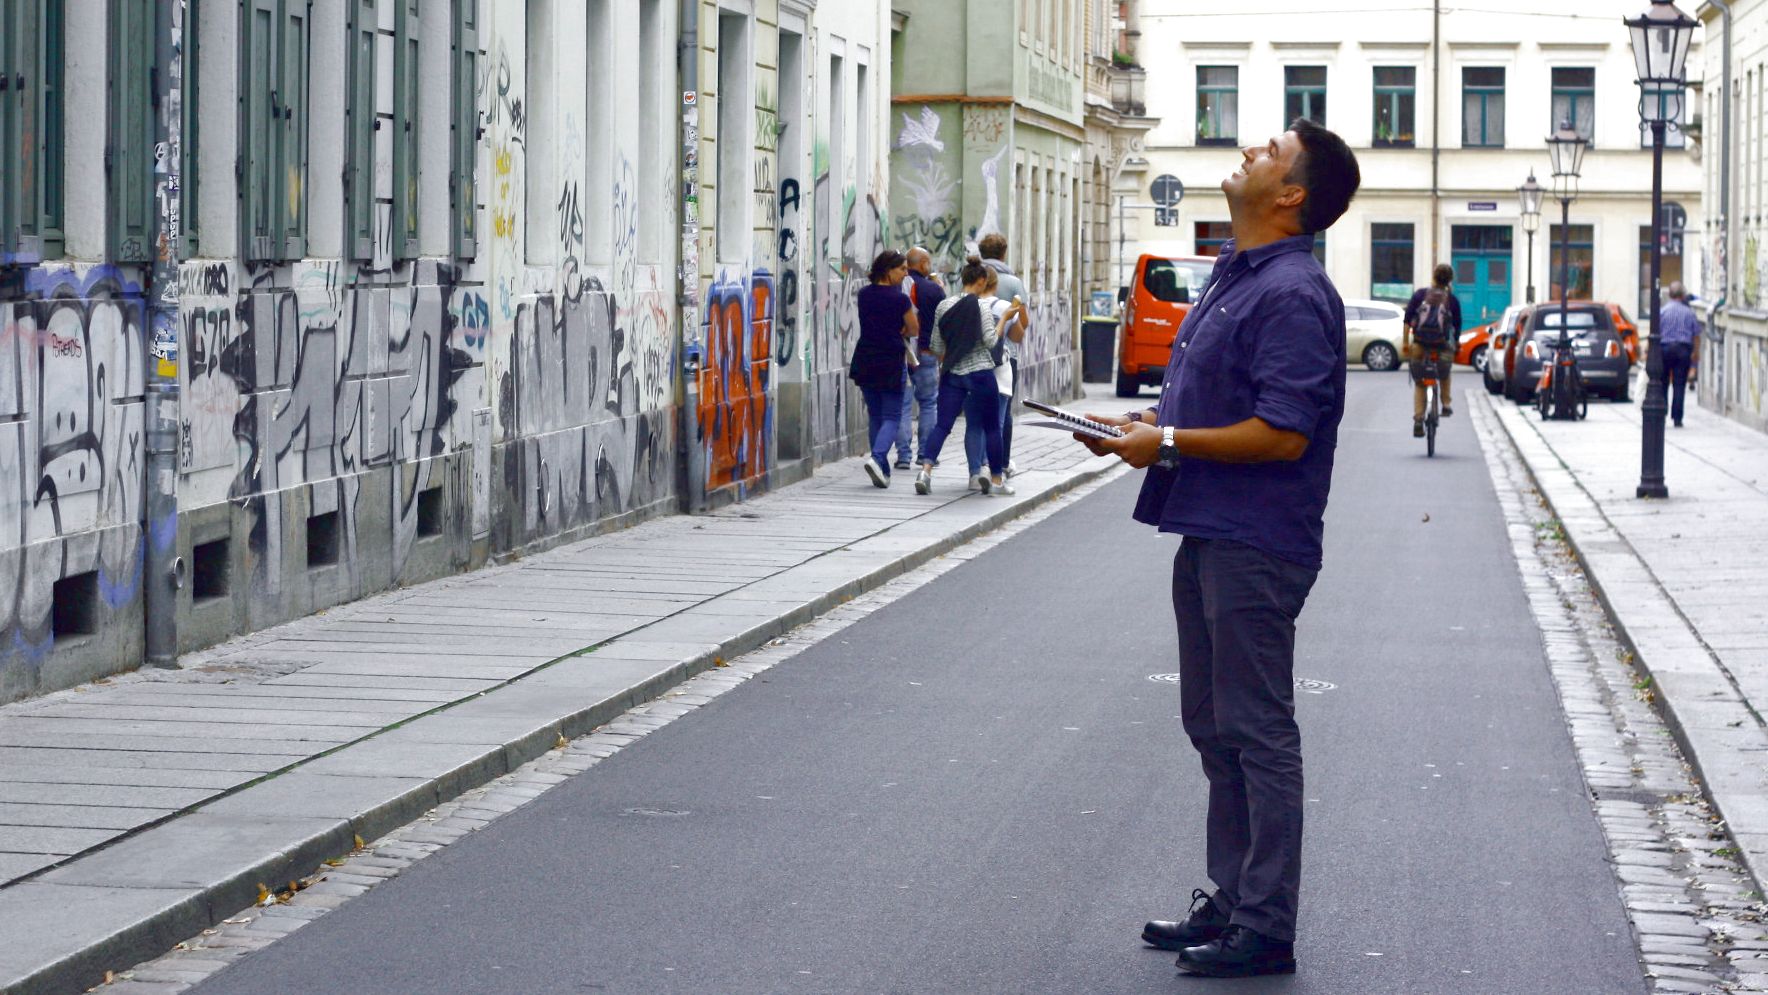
(980, 789)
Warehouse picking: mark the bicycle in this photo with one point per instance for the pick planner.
(1560, 392)
(1427, 365)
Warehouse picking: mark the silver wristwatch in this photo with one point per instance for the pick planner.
(1169, 453)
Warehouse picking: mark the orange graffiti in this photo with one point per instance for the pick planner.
(736, 423)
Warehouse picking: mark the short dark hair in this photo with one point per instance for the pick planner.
(993, 246)
(887, 260)
(1328, 170)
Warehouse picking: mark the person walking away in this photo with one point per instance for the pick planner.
(993, 248)
(1010, 316)
(1433, 321)
(1680, 339)
(922, 388)
(964, 336)
(887, 328)
(1239, 454)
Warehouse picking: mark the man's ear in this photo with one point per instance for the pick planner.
(1292, 195)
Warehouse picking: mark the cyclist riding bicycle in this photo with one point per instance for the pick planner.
(1433, 325)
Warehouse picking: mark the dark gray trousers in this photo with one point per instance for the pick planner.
(1236, 607)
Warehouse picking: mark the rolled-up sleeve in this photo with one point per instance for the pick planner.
(1293, 362)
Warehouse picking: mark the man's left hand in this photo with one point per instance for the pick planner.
(1139, 446)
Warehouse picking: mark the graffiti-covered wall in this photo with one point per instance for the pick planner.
(71, 373)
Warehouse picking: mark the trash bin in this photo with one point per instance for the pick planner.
(1098, 348)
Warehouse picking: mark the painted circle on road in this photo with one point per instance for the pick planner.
(1308, 684)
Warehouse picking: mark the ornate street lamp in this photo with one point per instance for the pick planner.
(1661, 37)
(1530, 195)
(1565, 150)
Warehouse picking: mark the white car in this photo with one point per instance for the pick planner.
(1373, 331)
(1498, 350)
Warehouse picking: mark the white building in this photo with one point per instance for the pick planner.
(1447, 112)
(1734, 360)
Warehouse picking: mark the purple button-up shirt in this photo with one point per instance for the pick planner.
(1265, 340)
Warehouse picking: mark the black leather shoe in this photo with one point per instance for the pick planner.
(1417, 430)
(1205, 923)
(1447, 411)
(1239, 953)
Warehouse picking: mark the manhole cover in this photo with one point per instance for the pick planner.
(1307, 684)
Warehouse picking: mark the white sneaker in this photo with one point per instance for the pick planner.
(981, 482)
(1012, 468)
(876, 472)
(924, 482)
(1003, 488)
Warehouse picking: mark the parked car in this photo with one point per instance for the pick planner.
(1629, 332)
(1373, 332)
(1475, 344)
(1160, 296)
(1602, 358)
(1500, 357)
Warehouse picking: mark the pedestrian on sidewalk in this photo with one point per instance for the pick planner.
(1012, 324)
(1680, 339)
(1239, 454)
(993, 248)
(965, 336)
(922, 387)
(887, 330)
(1432, 322)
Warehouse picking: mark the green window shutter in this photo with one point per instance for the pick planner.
(11, 110)
(359, 125)
(405, 130)
(465, 145)
(291, 158)
(129, 158)
(51, 140)
(260, 100)
(189, 129)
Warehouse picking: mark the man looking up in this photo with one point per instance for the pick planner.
(1239, 456)
(923, 385)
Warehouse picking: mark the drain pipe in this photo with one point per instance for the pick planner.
(688, 276)
(162, 568)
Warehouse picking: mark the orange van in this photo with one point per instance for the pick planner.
(1160, 296)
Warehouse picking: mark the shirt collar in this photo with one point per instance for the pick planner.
(1264, 253)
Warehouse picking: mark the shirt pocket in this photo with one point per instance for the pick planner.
(1213, 347)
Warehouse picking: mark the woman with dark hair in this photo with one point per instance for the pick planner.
(965, 334)
(887, 329)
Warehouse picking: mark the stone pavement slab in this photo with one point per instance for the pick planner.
(185, 791)
(1685, 580)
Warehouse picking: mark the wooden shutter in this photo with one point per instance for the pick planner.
(359, 128)
(463, 183)
(291, 159)
(189, 129)
(129, 159)
(260, 97)
(405, 130)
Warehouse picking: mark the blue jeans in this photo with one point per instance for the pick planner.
(973, 443)
(921, 387)
(976, 395)
(883, 410)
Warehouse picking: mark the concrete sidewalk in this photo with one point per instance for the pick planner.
(1685, 579)
(136, 811)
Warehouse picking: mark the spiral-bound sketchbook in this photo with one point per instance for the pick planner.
(1068, 421)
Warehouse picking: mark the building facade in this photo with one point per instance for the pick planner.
(1113, 202)
(1447, 111)
(457, 281)
(1734, 359)
(988, 131)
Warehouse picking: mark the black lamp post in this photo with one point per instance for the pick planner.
(1661, 37)
(1565, 149)
(1530, 195)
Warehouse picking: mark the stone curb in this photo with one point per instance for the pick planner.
(1718, 730)
(138, 897)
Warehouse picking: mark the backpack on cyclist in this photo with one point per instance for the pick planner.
(1431, 330)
